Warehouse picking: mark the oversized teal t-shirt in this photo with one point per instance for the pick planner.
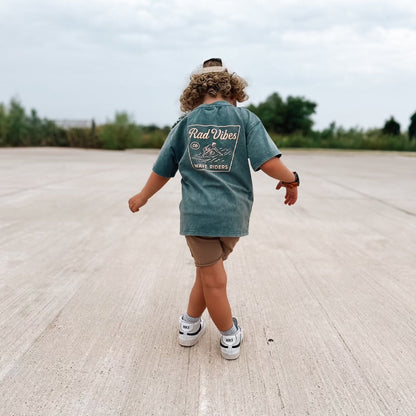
(211, 147)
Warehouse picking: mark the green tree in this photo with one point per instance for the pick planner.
(271, 112)
(52, 135)
(34, 129)
(3, 125)
(391, 127)
(298, 115)
(119, 134)
(412, 127)
(286, 117)
(94, 140)
(16, 124)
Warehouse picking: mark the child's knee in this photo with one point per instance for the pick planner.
(213, 277)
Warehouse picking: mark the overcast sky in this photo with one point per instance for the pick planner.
(88, 59)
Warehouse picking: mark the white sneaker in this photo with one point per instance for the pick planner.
(189, 333)
(230, 344)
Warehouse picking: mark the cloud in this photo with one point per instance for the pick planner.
(375, 51)
(144, 25)
(120, 54)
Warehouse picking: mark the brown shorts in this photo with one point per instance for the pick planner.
(206, 251)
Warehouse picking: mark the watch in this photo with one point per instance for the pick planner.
(296, 178)
(293, 184)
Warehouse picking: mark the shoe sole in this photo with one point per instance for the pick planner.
(233, 355)
(184, 341)
(227, 356)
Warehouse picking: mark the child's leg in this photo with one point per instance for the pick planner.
(191, 325)
(196, 305)
(214, 285)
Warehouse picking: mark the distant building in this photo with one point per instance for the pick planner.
(70, 124)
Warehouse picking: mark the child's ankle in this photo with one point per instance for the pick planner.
(232, 330)
(191, 319)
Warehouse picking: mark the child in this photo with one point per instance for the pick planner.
(211, 147)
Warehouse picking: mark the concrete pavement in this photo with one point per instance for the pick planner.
(90, 294)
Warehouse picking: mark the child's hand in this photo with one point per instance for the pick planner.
(291, 193)
(136, 202)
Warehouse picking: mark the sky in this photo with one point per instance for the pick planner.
(90, 59)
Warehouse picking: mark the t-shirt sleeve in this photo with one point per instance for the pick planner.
(166, 164)
(260, 146)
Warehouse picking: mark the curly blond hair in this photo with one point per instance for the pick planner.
(214, 84)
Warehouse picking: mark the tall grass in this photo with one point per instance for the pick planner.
(17, 128)
(353, 139)
(123, 133)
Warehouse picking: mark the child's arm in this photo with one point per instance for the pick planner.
(153, 185)
(277, 170)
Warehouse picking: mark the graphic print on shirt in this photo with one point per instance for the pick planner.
(212, 147)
